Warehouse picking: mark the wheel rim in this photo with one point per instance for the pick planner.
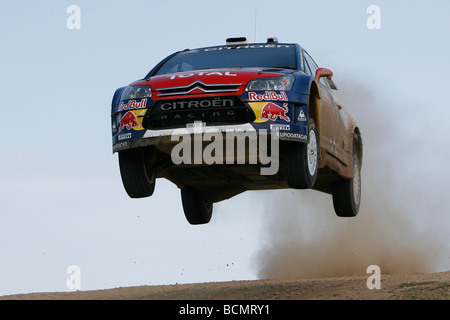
(312, 153)
(356, 184)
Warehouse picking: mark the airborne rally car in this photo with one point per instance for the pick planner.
(221, 120)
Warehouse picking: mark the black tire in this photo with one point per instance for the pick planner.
(196, 208)
(301, 160)
(138, 178)
(347, 193)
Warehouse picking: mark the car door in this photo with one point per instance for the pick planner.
(329, 116)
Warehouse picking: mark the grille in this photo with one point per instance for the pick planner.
(178, 113)
(198, 87)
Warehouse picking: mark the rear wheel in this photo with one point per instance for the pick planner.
(347, 193)
(301, 160)
(196, 208)
(138, 178)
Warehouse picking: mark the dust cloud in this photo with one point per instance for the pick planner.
(302, 236)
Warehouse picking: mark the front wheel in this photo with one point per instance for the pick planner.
(301, 160)
(138, 178)
(347, 193)
(196, 208)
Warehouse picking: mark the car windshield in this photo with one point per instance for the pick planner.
(248, 56)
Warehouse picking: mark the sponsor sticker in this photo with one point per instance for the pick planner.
(195, 104)
(268, 95)
(128, 121)
(301, 116)
(131, 120)
(120, 146)
(213, 73)
(273, 111)
(133, 104)
(292, 136)
(280, 127)
(196, 124)
(190, 116)
(124, 136)
(245, 46)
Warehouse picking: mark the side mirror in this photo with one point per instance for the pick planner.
(328, 74)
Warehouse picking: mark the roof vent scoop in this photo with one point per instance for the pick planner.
(272, 40)
(236, 41)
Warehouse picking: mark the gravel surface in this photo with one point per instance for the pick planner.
(434, 286)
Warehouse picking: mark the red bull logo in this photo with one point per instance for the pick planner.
(132, 104)
(128, 121)
(268, 95)
(272, 111)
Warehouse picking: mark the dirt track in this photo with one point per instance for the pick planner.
(393, 287)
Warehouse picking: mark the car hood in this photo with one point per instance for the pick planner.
(199, 79)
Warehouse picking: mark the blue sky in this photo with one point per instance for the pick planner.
(61, 198)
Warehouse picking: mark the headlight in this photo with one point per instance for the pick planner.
(138, 92)
(283, 83)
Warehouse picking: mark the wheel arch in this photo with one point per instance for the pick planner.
(313, 107)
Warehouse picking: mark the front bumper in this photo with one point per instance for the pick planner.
(283, 112)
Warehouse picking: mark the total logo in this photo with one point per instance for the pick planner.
(213, 73)
(268, 95)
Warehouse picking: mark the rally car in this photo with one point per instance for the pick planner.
(218, 121)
